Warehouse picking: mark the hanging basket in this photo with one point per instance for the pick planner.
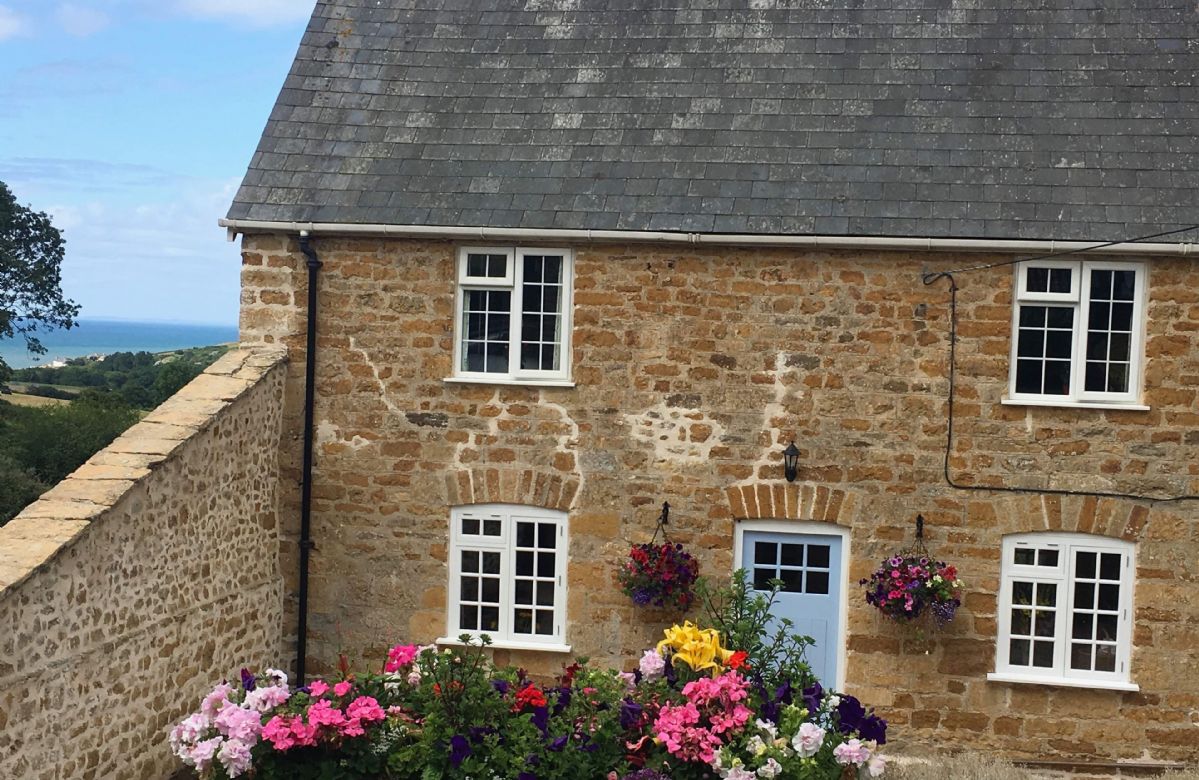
(659, 573)
(912, 583)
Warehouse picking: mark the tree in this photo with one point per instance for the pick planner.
(31, 251)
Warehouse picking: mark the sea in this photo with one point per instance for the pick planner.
(103, 337)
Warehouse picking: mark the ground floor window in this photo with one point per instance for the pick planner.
(1066, 609)
(508, 574)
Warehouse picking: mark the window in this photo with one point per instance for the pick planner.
(507, 575)
(513, 315)
(1077, 332)
(1065, 610)
(803, 568)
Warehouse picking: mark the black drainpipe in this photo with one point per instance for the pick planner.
(306, 544)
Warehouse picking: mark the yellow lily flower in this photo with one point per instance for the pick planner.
(698, 648)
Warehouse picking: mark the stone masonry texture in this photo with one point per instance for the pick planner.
(694, 368)
(141, 579)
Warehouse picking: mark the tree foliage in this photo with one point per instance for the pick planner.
(31, 252)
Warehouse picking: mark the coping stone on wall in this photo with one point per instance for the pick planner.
(47, 526)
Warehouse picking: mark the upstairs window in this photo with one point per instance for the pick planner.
(508, 575)
(1077, 334)
(513, 315)
(1065, 610)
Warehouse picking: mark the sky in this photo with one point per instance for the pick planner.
(131, 122)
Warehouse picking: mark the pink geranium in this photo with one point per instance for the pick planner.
(365, 708)
(317, 688)
(342, 688)
(400, 656)
(714, 710)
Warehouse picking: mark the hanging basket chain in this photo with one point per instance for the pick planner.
(663, 521)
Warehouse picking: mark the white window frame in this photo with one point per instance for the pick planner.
(1077, 299)
(1062, 575)
(505, 544)
(514, 281)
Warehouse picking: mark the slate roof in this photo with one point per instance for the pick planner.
(941, 118)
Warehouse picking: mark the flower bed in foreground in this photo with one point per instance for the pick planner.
(736, 703)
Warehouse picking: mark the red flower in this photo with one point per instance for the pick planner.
(529, 696)
(738, 660)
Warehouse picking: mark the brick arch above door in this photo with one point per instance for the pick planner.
(776, 500)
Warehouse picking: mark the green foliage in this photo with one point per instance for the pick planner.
(31, 253)
(18, 487)
(47, 391)
(41, 445)
(742, 616)
(142, 379)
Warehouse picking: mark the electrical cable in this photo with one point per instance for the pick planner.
(929, 279)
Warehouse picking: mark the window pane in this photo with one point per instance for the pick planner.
(1022, 622)
(545, 535)
(1038, 279)
(522, 621)
(1084, 595)
(1096, 377)
(491, 590)
(817, 582)
(524, 564)
(1120, 347)
(1096, 346)
(1042, 654)
(1109, 566)
(545, 564)
(818, 555)
(1105, 628)
(1105, 658)
(1117, 378)
(764, 552)
(1018, 652)
(533, 268)
(1057, 377)
(1022, 593)
(473, 359)
(1109, 597)
(489, 618)
(470, 526)
(1100, 316)
(1028, 376)
(553, 269)
(545, 594)
(1043, 623)
(491, 563)
(1059, 280)
(524, 534)
(496, 358)
(545, 622)
(530, 356)
(470, 560)
(1030, 343)
(792, 555)
(492, 528)
(1032, 316)
(470, 588)
(1046, 595)
(1101, 285)
(1047, 557)
(1084, 626)
(1024, 556)
(551, 298)
(549, 357)
(468, 618)
(1084, 565)
(476, 325)
(524, 592)
(497, 266)
(1080, 656)
(531, 302)
(1060, 317)
(476, 265)
(1124, 285)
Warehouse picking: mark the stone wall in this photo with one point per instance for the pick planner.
(149, 573)
(695, 366)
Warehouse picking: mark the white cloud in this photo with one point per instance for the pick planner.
(259, 13)
(12, 23)
(81, 21)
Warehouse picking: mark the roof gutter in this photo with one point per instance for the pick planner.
(236, 226)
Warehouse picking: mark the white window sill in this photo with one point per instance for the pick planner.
(471, 380)
(1104, 685)
(508, 644)
(1074, 404)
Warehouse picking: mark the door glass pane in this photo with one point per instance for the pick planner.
(792, 554)
(764, 552)
(817, 582)
(762, 578)
(792, 580)
(819, 555)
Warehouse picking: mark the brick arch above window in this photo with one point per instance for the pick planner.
(777, 500)
(1110, 517)
(527, 487)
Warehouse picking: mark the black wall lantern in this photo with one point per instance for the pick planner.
(791, 462)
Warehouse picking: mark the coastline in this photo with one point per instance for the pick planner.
(105, 337)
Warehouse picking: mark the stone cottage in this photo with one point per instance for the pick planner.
(564, 261)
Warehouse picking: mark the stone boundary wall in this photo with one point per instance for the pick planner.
(128, 587)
